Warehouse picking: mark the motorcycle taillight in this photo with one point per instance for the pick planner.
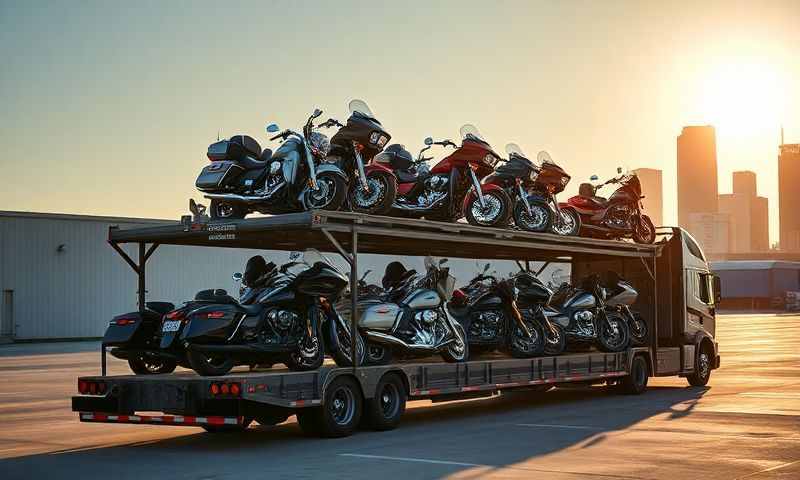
(459, 297)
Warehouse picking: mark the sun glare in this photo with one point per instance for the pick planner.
(743, 98)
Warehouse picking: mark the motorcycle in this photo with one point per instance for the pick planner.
(534, 188)
(288, 321)
(373, 187)
(586, 320)
(452, 188)
(409, 318)
(488, 311)
(133, 337)
(619, 216)
(242, 179)
(620, 296)
(532, 298)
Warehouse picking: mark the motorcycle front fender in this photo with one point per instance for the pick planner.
(323, 168)
(373, 168)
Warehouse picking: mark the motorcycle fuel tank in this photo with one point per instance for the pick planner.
(379, 317)
(420, 299)
(626, 296)
(581, 300)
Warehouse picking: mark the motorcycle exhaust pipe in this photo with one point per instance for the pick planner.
(378, 337)
(233, 197)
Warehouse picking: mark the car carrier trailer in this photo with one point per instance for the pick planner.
(677, 298)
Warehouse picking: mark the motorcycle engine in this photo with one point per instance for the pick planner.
(282, 320)
(427, 329)
(486, 325)
(436, 183)
(618, 217)
(583, 321)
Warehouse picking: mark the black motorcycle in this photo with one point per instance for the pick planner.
(134, 337)
(488, 311)
(586, 321)
(532, 298)
(285, 323)
(619, 297)
(242, 178)
(373, 186)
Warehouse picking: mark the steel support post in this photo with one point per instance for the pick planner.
(354, 301)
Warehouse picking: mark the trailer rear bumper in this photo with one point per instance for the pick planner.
(176, 420)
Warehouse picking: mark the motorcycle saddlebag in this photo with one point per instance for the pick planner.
(218, 174)
(397, 156)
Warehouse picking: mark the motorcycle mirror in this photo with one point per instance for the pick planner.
(594, 178)
(272, 128)
(237, 277)
(619, 169)
(317, 113)
(428, 141)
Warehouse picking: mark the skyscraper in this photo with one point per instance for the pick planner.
(749, 215)
(652, 189)
(789, 196)
(697, 172)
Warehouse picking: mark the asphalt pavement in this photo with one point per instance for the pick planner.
(745, 424)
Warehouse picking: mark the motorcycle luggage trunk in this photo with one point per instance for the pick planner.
(218, 174)
(225, 150)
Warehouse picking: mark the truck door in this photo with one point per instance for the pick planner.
(700, 303)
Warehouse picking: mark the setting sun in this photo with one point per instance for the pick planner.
(743, 98)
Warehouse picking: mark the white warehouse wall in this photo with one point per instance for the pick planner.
(75, 292)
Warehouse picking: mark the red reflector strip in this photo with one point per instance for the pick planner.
(304, 403)
(159, 419)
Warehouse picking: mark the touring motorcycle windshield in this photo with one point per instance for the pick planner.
(471, 132)
(361, 107)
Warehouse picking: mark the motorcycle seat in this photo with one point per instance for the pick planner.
(215, 295)
(250, 163)
(599, 201)
(161, 308)
(406, 176)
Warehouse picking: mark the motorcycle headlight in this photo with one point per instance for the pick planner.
(489, 158)
(564, 181)
(382, 141)
(374, 137)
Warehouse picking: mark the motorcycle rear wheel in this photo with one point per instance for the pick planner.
(209, 365)
(380, 197)
(222, 210)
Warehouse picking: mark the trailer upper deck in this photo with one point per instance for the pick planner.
(379, 235)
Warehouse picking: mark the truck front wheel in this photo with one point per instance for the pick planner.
(702, 368)
(635, 382)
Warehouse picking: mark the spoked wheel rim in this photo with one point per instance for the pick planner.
(389, 397)
(553, 338)
(224, 210)
(152, 365)
(373, 195)
(522, 342)
(644, 232)
(342, 406)
(323, 195)
(345, 344)
(566, 225)
(488, 214)
(613, 334)
(536, 220)
(307, 351)
(703, 365)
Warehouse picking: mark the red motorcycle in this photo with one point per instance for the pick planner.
(452, 188)
(533, 190)
(619, 216)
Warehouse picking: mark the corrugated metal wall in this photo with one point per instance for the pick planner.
(75, 292)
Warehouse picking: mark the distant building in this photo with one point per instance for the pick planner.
(712, 232)
(652, 189)
(789, 197)
(758, 285)
(697, 172)
(749, 215)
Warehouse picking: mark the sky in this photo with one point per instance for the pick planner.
(108, 107)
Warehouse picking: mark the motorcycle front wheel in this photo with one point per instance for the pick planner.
(644, 231)
(613, 334)
(330, 193)
(342, 354)
(539, 220)
(638, 329)
(309, 354)
(496, 211)
(569, 225)
(521, 345)
(555, 340)
(379, 196)
(458, 351)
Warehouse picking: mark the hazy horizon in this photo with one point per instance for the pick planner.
(109, 107)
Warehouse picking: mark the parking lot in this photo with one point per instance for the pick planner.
(746, 424)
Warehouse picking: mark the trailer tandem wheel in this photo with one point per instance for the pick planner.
(340, 412)
(385, 409)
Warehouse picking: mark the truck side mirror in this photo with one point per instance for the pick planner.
(717, 290)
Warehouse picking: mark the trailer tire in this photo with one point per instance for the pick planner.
(386, 408)
(246, 421)
(341, 409)
(635, 383)
(308, 420)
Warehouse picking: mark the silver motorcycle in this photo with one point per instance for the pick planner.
(409, 318)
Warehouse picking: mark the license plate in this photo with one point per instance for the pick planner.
(171, 326)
